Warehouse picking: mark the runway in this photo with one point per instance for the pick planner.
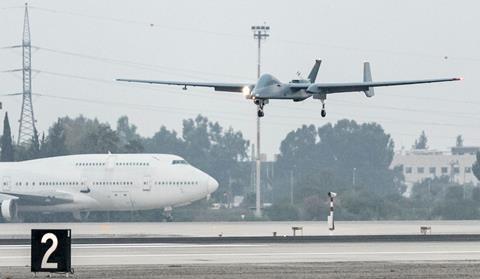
(181, 254)
(357, 250)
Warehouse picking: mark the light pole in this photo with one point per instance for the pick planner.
(260, 32)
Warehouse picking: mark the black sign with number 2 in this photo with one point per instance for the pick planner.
(51, 251)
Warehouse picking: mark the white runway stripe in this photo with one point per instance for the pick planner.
(146, 245)
(264, 254)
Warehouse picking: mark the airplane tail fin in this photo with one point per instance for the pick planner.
(367, 77)
(313, 73)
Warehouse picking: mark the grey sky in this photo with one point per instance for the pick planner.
(212, 41)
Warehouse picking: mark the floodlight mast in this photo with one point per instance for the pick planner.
(260, 32)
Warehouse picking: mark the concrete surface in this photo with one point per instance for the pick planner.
(181, 254)
(21, 230)
(353, 270)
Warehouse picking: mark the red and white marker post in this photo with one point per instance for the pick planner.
(331, 223)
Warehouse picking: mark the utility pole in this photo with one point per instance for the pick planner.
(259, 33)
(27, 121)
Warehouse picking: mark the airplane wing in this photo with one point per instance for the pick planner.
(329, 88)
(367, 86)
(38, 198)
(229, 87)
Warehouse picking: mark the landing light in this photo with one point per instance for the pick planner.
(246, 91)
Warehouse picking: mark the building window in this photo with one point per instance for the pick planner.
(420, 170)
(444, 170)
(456, 170)
(408, 170)
(468, 169)
(433, 170)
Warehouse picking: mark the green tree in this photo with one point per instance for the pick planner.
(102, 139)
(129, 140)
(165, 141)
(55, 143)
(342, 157)
(459, 142)
(421, 142)
(476, 167)
(216, 151)
(7, 146)
(34, 147)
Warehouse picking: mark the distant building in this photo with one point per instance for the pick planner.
(418, 165)
(465, 150)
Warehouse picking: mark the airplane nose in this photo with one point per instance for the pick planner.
(212, 185)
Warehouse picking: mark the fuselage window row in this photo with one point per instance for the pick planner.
(176, 182)
(71, 183)
(116, 164)
(46, 183)
(113, 183)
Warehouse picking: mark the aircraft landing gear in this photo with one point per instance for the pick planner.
(81, 216)
(167, 214)
(260, 104)
(324, 112)
(322, 98)
(260, 112)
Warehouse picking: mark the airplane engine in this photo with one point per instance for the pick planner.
(8, 209)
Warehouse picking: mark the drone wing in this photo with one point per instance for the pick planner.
(217, 86)
(367, 85)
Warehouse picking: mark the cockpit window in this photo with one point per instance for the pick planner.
(179, 162)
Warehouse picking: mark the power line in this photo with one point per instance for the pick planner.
(136, 22)
(146, 66)
(243, 36)
(165, 69)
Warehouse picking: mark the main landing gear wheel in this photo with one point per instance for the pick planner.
(324, 112)
(260, 113)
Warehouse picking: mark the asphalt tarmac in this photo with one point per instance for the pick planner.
(181, 254)
(351, 270)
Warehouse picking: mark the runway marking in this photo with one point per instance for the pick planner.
(143, 245)
(266, 254)
(286, 254)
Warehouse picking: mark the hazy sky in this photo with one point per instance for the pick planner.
(212, 41)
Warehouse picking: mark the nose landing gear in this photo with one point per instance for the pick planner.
(260, 104)
(260, 112)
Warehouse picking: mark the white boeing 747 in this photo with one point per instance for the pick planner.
(100, 182)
